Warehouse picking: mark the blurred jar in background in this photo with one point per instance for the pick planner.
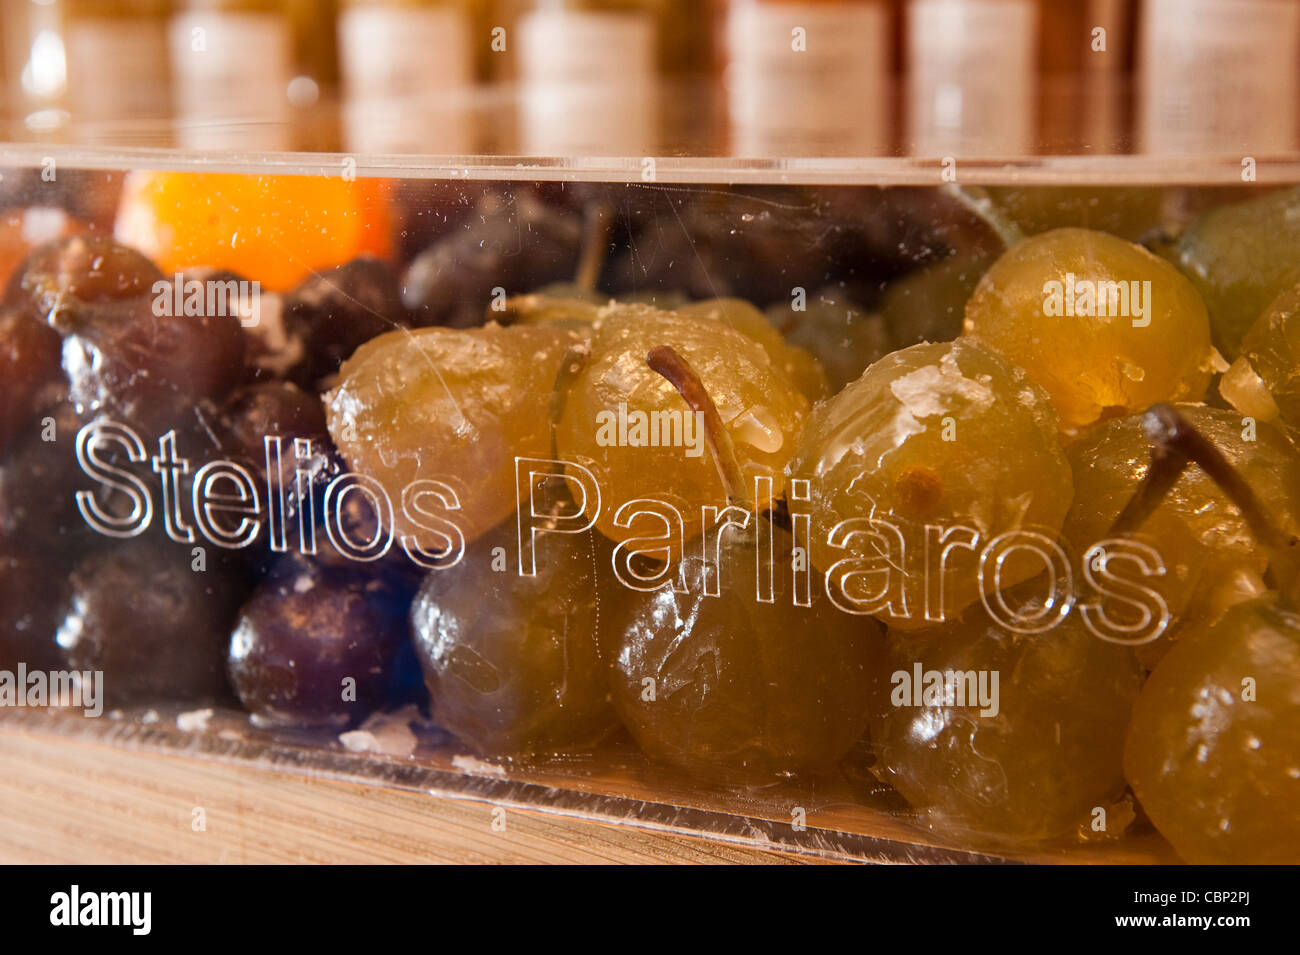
(313, 88)
(408, 75)
(232, 64)
(1086, 59)
(36, 77)
(971, 77)
(807, 77)
(1218, 76)
(587, 73)
(117, 56)
(315, 47)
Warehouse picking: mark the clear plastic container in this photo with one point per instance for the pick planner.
(301, 437)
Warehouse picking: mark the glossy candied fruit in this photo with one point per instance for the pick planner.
(1103, 325)
(1199, 536)
(274, 229)
(154, 617)
(451, 405)
(1213, 750)
(1264, 381)
(736, 690)
(31, 593)
(317, 645)
(947, 435)
(511, 658)
(1240, 257)
(633, 431)
(29, 370)
(1004, 736)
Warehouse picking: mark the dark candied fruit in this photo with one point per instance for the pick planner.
(151, 621)
(279, 409)
(514, 241)
(29, 365)
(726, 243)
(31, 593)
(319, 646)
(128, 363)
(80, 270)
(512, 661)
(39, 481)
(342, 308)
(269, 408)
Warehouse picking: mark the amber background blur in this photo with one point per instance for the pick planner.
(996, 77)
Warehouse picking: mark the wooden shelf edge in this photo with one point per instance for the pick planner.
(78, 801)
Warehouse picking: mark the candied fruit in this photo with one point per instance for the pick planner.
(455, 406)
(1102, 324)
(949, 436)
(276, 230)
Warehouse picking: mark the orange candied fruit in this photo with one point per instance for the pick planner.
(273, 229)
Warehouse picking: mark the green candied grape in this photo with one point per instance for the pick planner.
(1211, 558)
(948, 434)
(1240, 257)
(743, 692)
(842, 335)
(1130, 212)
(761, 407)
(1213, 751)
(801, 367)
(512, 661)
(1103, 325)
(565, 307)
(1030, 761)
(1264, 381)
(929, 304)
(457, 405)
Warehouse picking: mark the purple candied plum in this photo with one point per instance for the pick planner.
(155, 625)
(513, 241)
(269, 408)
(39, 480)
(29, 368)
(125, 354)
(123, 361)
(31, 593)
(79, 271)
(319, 646)
(339, 310)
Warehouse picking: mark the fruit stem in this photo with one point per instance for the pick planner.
(571, 365)
(981, 205)
(664, 360)
(1176, 443)
(595, 243)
